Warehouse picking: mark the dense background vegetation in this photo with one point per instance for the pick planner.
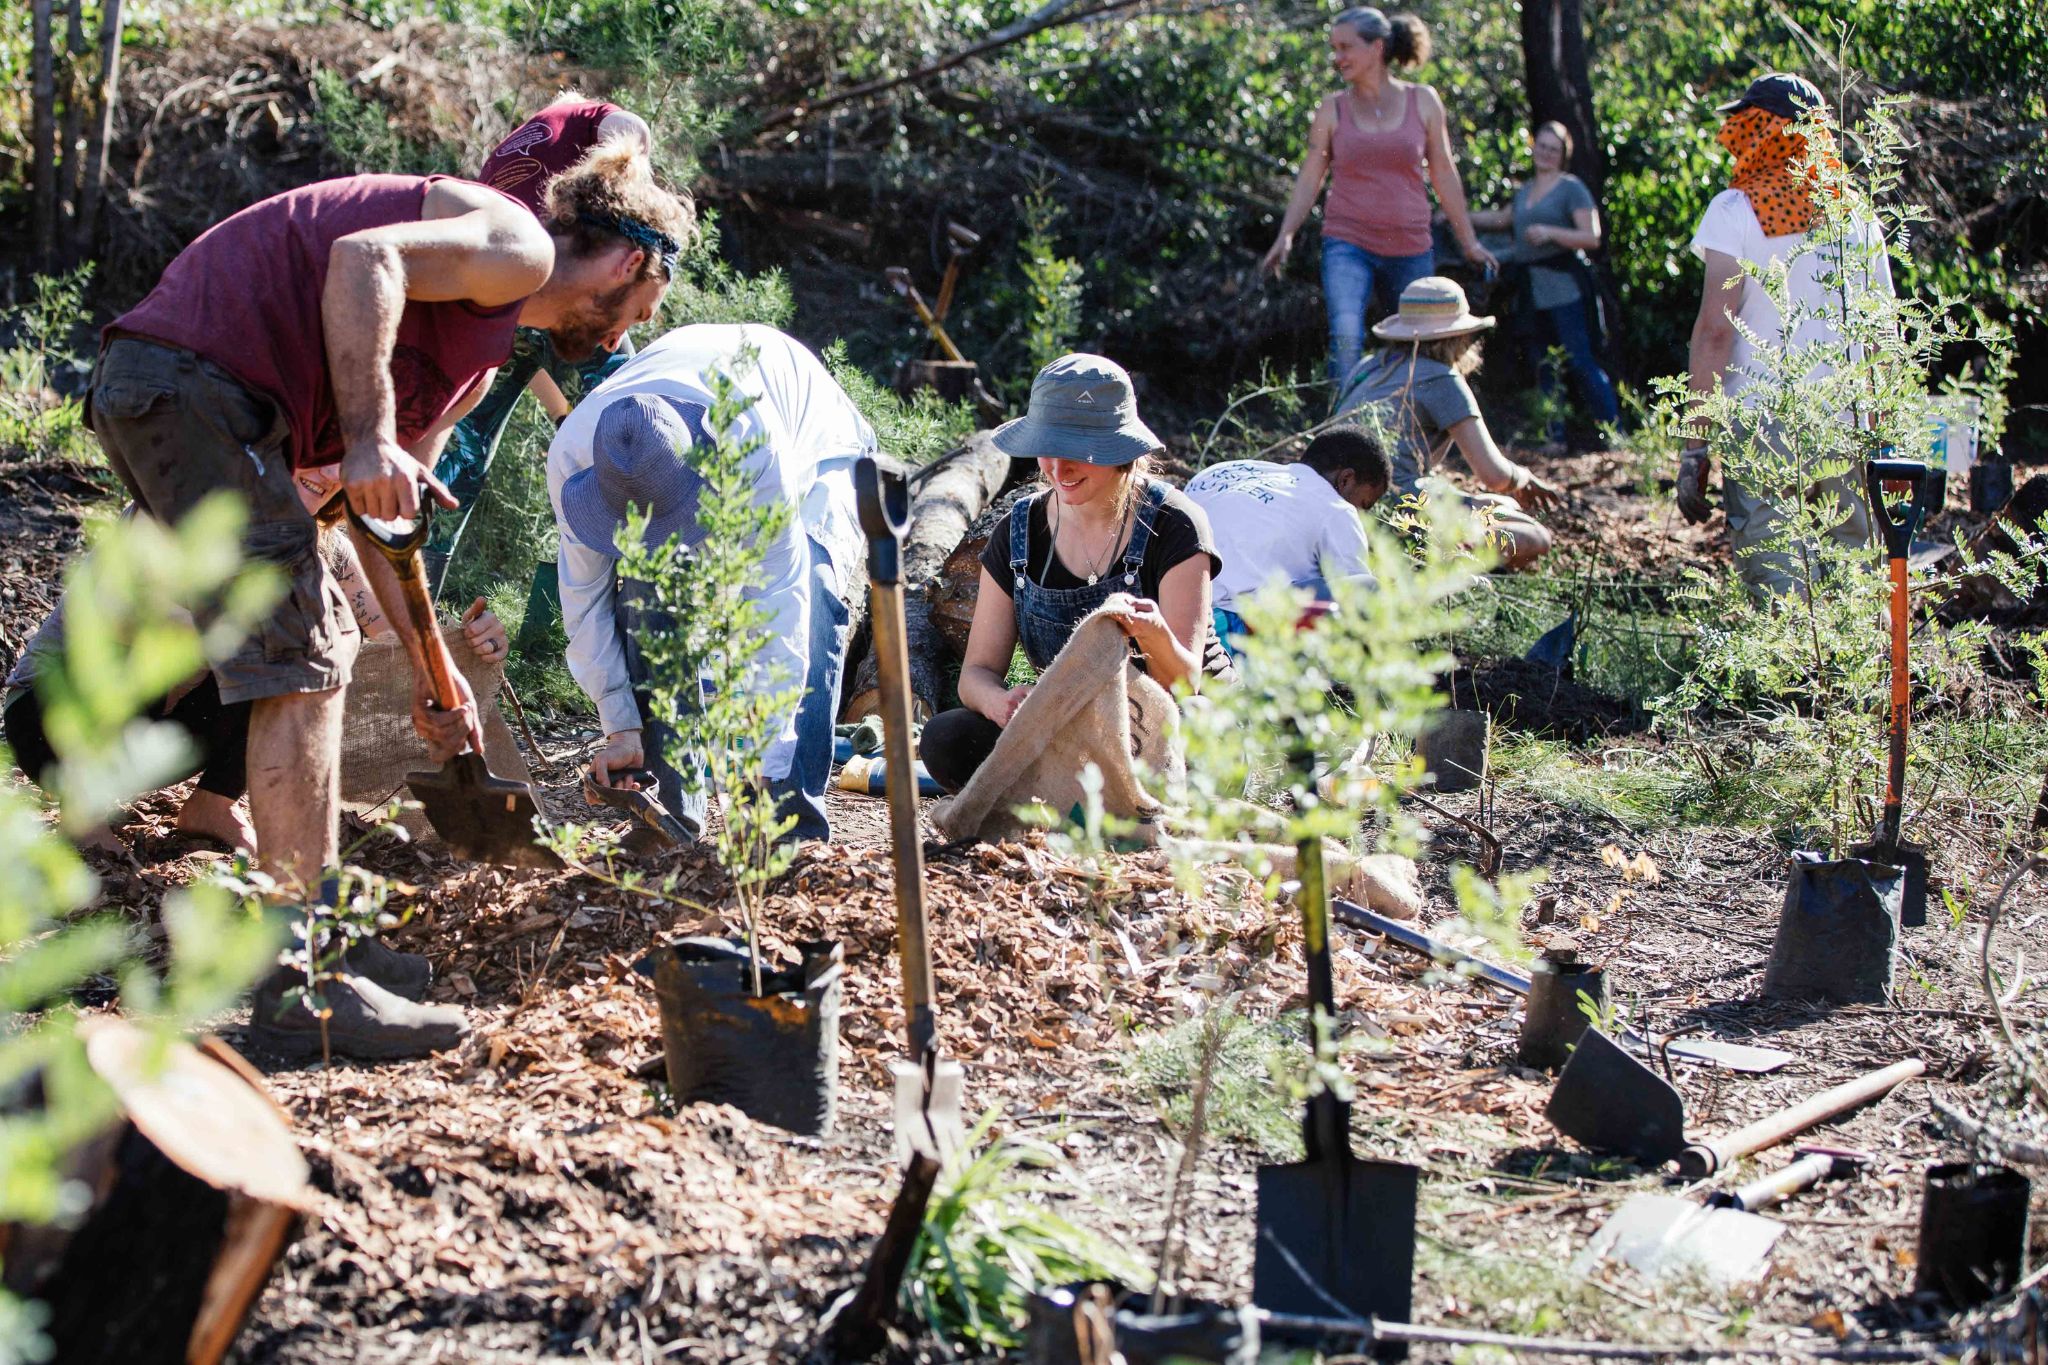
(1162, 135)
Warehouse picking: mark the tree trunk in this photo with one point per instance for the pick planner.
(944, 506)
(92, 183)
(72, 83)
(43, 122)
(1554, 67)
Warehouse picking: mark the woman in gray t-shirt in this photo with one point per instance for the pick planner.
(1414, 388)
(1554, 218)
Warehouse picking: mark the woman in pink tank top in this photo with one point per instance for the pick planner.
(1383, 144)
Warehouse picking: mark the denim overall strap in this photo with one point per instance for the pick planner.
(1149, 502)
(1020, 537)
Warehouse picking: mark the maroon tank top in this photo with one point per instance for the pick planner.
(1379, 196)
(542, 148)
(246, 295)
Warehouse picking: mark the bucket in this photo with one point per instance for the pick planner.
(1553, 1021)
(1452, 748)
(1838, 932)
(1973, 1232)
(1058, 1319)
(775, 1056)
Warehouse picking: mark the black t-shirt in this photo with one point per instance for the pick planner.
(1180, 531)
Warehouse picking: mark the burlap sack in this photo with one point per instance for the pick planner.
(1094, 704)
(378, 746)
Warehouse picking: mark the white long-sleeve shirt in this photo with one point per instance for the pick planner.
(810, 432)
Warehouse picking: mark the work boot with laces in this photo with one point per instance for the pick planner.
(366, 1021)
(407, 975)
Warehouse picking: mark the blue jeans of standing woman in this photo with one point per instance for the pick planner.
(1352, 279)
(1565, 327)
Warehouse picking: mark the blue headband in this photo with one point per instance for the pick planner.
(649, 239)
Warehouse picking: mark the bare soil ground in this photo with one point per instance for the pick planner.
(530, 1197)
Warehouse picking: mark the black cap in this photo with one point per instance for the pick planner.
(1780, 93)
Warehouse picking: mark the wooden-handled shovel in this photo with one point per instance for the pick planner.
(928, 1127)
(483, 817)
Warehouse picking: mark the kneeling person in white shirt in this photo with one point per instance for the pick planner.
(1292, 524)
(629, 443)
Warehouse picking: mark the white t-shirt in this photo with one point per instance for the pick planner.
(1730, 226)
(810, 432)
(1276, 523)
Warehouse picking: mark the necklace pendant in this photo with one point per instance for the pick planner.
(1092, 579)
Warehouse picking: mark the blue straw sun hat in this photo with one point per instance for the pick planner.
(638, 460)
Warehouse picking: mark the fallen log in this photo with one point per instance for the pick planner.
(195, 1195)
(958, 586)
(942, 509)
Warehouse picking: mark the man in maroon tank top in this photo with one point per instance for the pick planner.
(354, 321)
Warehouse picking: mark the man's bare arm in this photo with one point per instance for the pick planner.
(465, 247)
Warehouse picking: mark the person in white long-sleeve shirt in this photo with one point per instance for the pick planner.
(628, 443)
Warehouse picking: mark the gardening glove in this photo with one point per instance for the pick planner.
(1693, 503)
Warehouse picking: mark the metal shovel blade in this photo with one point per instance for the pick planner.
(1336, 1235)
(1609, 1101)
(928, 1122)
(642, 806)
(1744, 1057)
(1662, 1234)
(1909, 858)
(483, 818)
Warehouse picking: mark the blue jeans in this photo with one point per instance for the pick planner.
(1352, 278)
(1566, 328)
(802, 793)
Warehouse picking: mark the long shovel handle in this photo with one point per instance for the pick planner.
(399, 543)
(1898, 527)
(1702, 1159)
(883, 499)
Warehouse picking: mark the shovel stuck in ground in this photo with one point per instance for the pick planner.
(928, 1126)
(481, 816)
(1898, 524)
(1335, 1234)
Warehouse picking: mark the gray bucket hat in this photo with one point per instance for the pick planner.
(637, 461)
(1081, 408)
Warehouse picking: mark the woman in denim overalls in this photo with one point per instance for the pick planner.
(1102, 514)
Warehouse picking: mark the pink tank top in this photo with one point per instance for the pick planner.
(1379, 195)
(246, 295)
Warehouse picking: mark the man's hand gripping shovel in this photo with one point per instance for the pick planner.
(928, 1125)
(483, 817)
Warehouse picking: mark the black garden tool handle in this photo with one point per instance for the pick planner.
(883, 499)
(1898, 526)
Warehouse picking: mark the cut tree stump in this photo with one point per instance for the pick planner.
(942, 509)
(195, 1195)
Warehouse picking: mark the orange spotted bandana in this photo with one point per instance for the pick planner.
(1770, 169)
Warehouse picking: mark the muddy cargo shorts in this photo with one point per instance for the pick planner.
(177, 427)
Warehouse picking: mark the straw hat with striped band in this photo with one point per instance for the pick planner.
(1431, 308)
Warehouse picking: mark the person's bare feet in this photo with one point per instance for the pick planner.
(213, 816)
